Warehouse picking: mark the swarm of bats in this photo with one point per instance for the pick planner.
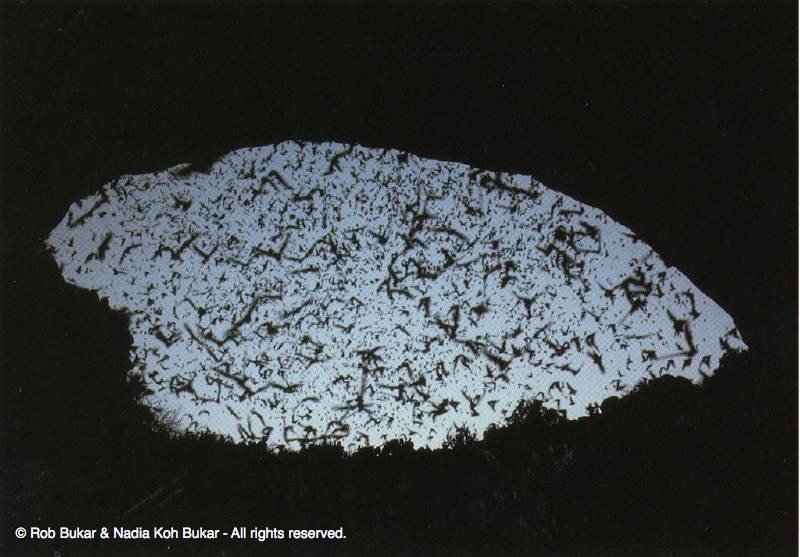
(306, 292)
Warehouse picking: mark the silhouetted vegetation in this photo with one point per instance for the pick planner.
(679, 120)
(671, 468)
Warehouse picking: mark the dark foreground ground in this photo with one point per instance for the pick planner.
(678, 119)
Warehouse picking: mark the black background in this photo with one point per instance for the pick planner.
(677, 119)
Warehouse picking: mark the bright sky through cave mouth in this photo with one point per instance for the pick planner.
(302, 292)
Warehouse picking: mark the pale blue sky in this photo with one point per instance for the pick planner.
(310, 290)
